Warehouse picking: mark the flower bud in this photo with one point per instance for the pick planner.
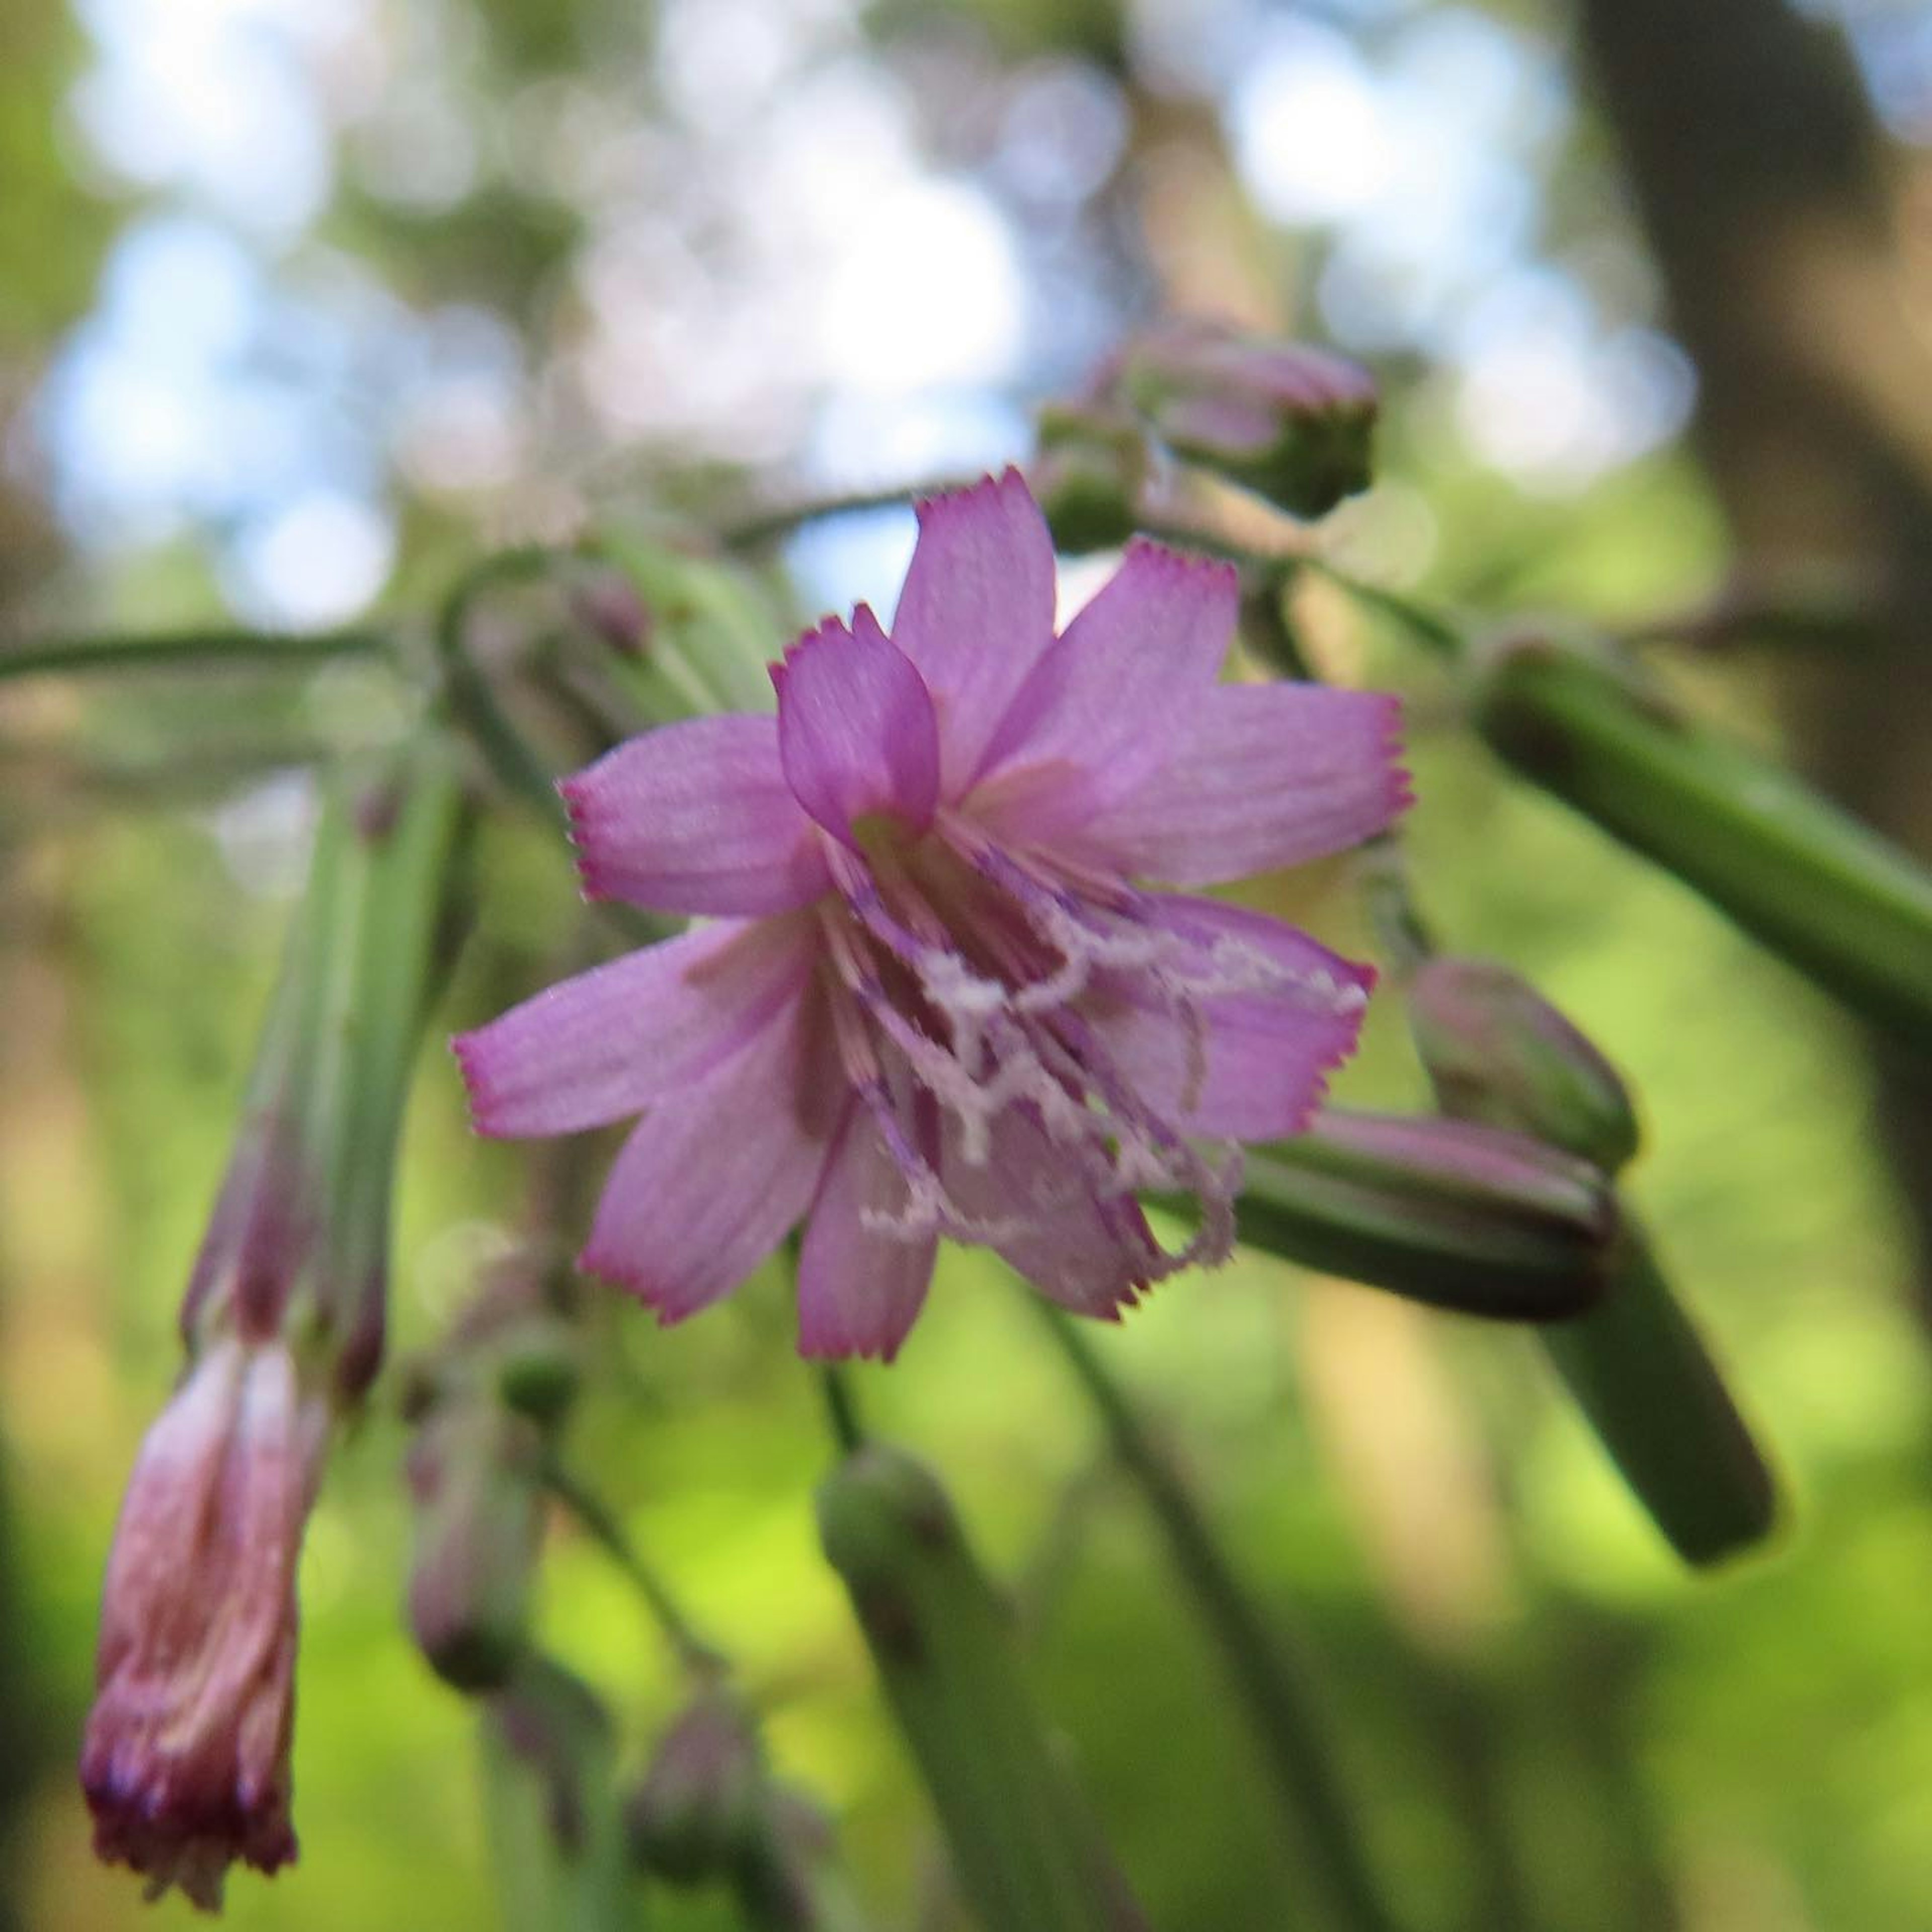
(476, 1481)
(1842, 905)
(186, 1759)
(1449, 1212)
(1028, 1856)
(1088, 476)
(1291, 423)
(1497, 1051)
(700, 1805)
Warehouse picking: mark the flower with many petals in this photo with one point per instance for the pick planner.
(936, 991)
(186, 1760)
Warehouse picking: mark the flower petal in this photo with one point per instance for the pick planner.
(1112, 699)
(1263, 776)
(976, 611)
(1252, 1065)
(856, 730)
(859, 1289)
(1047, 1222)
(695, 818)
(712, 1176)
(608, 1043)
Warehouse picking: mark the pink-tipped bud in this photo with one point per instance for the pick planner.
(1497, 1051)
(475, 1481)
(1290, 422)
(609, 605)
(701, 1803)
(186, 1759)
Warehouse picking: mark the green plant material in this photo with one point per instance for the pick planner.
(1641, 1373)
(709, 635)
(1088, 476)
(1028, 1855)
(1274, 1692)
(1496, 1051)
(549, 1792)
(1833, 898)
(208, 648)
(1448, 1213)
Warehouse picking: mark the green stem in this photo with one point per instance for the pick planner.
(597, 1518)
(842, 1407)
(197, 649)
(1274, 1689)
(762, 528)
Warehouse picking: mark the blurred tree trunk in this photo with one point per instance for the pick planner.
(1769, 194)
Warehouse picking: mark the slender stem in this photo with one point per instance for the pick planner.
(842, 1407)
(198, 649)
(762, 528)
(1277, 1696)
(595, 1516)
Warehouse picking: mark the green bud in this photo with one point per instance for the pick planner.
(1497, 1051)
(1027, 1855)
(555, 1837)
(1291, 423)
(701, 1802)
(1836, 900)
(1448, 1212)
(1642, 1374)
(539, 1369)
(1088, 476)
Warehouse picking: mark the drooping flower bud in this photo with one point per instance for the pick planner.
(1088, 476)
(186, 1760)
(700, 1807)
(475, 1483)
(1291, 423)
(1496, 1051)
(1448, 1212)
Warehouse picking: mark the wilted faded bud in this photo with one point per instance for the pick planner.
(186, 1760)
(1088, 476)
(476, 1481)
(701, 1803)
(1291, 423)
(1449, 1212)
(1496, 1051)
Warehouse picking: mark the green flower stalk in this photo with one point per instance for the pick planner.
(186, 1759)
(1833, 898)
(1498, 1052)
(1028, 1856)
(1452, 1214)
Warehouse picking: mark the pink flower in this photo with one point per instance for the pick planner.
(933, 998)
(186, 1760)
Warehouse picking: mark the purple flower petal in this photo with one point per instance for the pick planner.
(695, 818)
(1041, 1215)
(857, 731)
(1112, 699)
(1252, 1064)
(859, 1289)
(608, 1043)
(976, 611)
(713, 1175)
(1264, 776)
